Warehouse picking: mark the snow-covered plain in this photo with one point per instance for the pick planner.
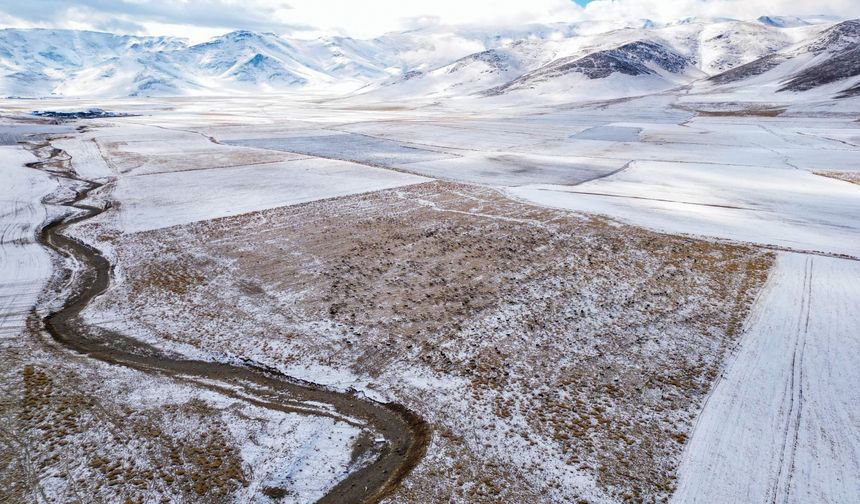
(346, 146)
(167, 199)
(781, 425)
(164, 177)
(677, 162)
(24, 264)
(775, 206)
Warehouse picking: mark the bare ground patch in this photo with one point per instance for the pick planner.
(165, 156)
(852, 177)
(68, 436)
(748, 112)
(559, 358)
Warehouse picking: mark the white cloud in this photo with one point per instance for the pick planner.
(195, 18)
(369, 18)
(200, 19)
(670, 10)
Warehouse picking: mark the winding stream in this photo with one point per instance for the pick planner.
(406, 434)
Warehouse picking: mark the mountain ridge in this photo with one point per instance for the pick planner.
(442, 61)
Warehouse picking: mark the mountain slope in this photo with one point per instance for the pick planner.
(635, 58)
(34, 62)
(560, 61)
(832, 58)
(723, 46)
(590, 59)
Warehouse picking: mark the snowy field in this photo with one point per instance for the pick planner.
(164, 177)
(781, 423)
(24, 265)
(178, 198)
(321, 232)
(801, 210)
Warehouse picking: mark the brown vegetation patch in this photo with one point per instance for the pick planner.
(158, 157)
(583, 347)
(101, 452)
(853, 177)
(747, 112)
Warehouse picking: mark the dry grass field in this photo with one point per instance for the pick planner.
(558, 357)
(71, 431)
(852, 177)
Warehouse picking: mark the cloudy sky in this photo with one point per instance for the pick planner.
(201, 19)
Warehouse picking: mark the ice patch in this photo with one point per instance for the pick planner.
(346, 146)
(610, 133)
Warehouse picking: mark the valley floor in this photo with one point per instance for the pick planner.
(636, 300)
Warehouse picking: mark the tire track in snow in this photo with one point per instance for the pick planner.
(782, 424)
(782, 482)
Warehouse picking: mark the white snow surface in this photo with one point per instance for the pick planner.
(750, 180)
(24, 265)
(774, 206)
(306, 454)
(168, 199)
(781, 425)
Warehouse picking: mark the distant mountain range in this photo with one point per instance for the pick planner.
(769, 55)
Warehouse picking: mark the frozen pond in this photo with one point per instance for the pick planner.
(516, 169)
(11, 134)
(348, 147)
(610, 133)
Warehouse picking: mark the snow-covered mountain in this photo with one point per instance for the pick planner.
(641, 58)
(828, 62)
(607, 61)
(37, 62)
(598, 58)
(73, 63)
